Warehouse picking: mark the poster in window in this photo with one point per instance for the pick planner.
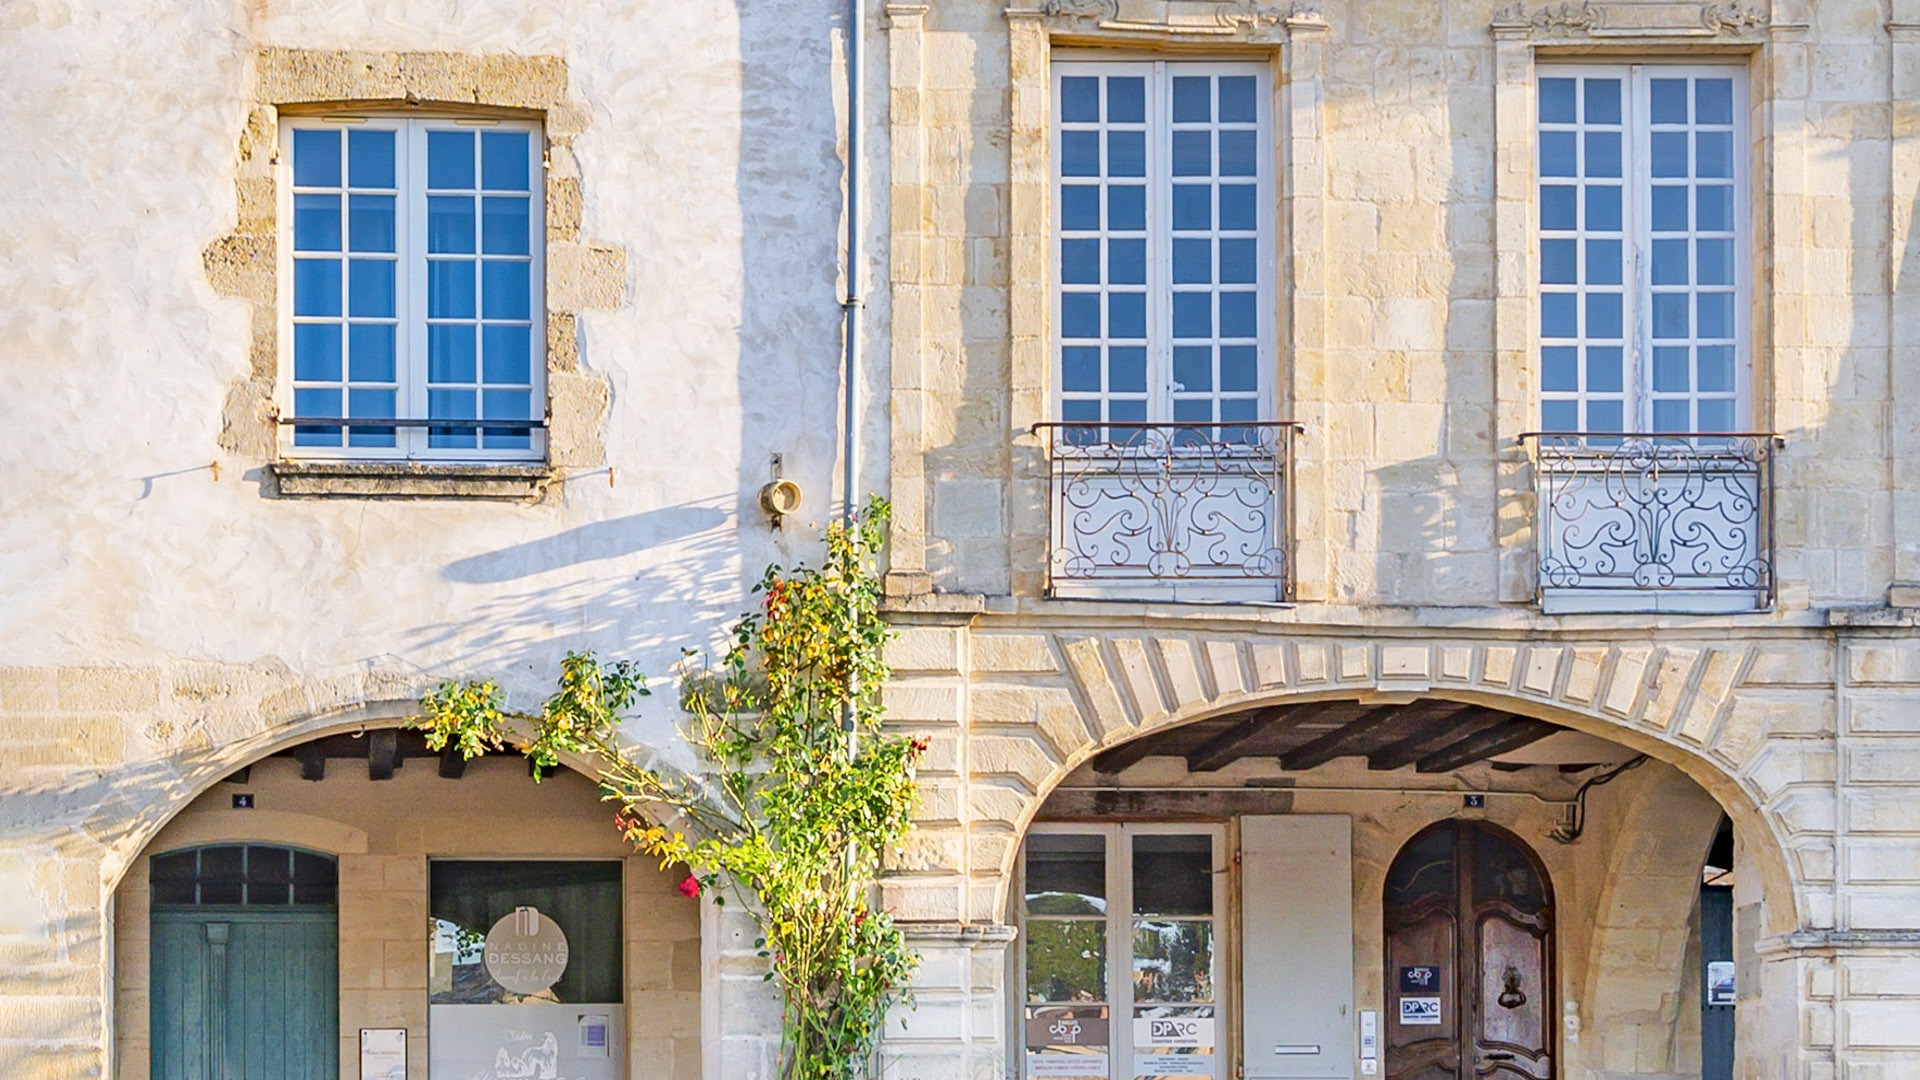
(1720, 982)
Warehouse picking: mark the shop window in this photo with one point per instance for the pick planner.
(1151, 893)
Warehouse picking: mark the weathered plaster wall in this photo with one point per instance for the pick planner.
(164, 619)
(383, 833)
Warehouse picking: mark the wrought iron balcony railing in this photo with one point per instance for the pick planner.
(1169, 511)
(1685, 520)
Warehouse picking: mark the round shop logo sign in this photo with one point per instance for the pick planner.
(526, 952)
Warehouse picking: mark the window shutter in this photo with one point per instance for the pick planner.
(1296, 875)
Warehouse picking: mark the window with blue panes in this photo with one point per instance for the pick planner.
(1163, 232)
(1643, 228)
(415, 261)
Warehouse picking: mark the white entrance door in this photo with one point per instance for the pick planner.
(1121, 965)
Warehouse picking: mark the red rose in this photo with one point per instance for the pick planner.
(690, 888)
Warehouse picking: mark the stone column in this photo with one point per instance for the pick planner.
(908, 217)
(957, 1027)
(1301, 120)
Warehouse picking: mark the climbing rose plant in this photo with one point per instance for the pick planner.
(790, 814)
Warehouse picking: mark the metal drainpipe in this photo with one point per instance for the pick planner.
(850, 432)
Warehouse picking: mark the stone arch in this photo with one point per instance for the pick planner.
(1675, 704)
(1644, 922)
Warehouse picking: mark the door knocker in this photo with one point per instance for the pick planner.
(1511, 997)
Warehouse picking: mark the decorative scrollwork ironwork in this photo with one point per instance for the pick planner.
(1656, 511)
(1164, 503)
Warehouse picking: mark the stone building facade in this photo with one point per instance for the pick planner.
(1308, 458)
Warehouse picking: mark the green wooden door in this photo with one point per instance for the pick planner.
(245, 991)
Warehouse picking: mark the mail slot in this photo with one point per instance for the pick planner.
(1296, 1049)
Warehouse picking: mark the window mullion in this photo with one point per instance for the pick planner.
(1637, 208)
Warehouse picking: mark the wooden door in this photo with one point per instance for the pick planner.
(1469, 958)
(245, 965)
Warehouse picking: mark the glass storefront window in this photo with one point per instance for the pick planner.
(467, 899)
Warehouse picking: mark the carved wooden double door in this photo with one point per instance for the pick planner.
(1469, 950)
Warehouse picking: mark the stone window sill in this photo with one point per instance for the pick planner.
(316, 479)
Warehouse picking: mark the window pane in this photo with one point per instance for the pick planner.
(504, 158)
(1237, 150)
(1557, 101)
(1716, 415)
(1238, 317)
(506, 405)
(1127, 207)
(370, 404)
(316, 352)
(370, 356)
(1126, 262)
(1192, 368)
(1716, 369)
(450, 228)
(1126, 100)
(452, 405)
(316, 222)
(1237, 262)
(1603, 315)
(583, 899)
(370, 158)
(315, 879)
(1192, 153)
(1126, 153)
(450, 160)
(1080, 207)
(1673, 415)
(1602, 101)
(1080, 315)
(1713, 316)
(450, 353)
(1603, 208)
(1560, 415)
(1713, 154)
(1714, 206)
(1559, 315)
(509, 352)
(370, 288)
(1238, 209)
(1192, 262)
(1669, 209)
(1172, 874)
(1193, 206)
(1127, 315)
(1603, 262)
(1192, 315)
(1669, 153)
(507, 291)
(370, 223)
(1670, 315)
(320, 403)
(1671, 373)
(450, 289)
(1604, 369)
(1603, 154)
(1670, 262)
(1558, 153)
(1239, 368)
(1127, 369)
(1715, 261)
(1080, 262)
(1237, 102)
(1192, 99)
(1080, 99)
(1173, 960)
(1560, 368)
(1714, 100)
(1605, 416)
(316, 287)
(1066, 874)
(507, 221)
(1669, 101)
(316, 158)
(1557, 206)
(1066, 960)
(1080, 368)
(1559, 262)
(1080, 153)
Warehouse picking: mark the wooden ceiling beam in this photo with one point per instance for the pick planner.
(1499, 739)
(383, 753)
(313, 761)
(1125, 756)
(1338, 742)
(1441, 721)
(1225, 748)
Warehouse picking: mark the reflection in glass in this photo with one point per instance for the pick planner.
(1066, 960)
(1066, 874)
(1173, 960)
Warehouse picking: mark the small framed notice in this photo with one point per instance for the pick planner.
(383, 1054)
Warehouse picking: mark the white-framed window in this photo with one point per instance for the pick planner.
(413, 288)
(1644, 236)
(1122, 954)
(1163, 255)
